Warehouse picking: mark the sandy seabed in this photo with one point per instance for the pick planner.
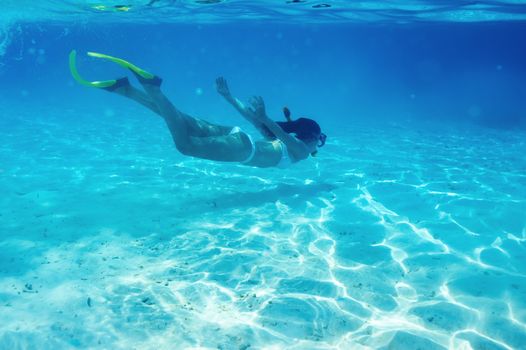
(398, 237)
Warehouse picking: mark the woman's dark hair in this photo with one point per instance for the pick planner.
(304, 129)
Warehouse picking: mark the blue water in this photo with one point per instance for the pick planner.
(406, 231)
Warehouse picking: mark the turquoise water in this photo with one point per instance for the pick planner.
(407, 231)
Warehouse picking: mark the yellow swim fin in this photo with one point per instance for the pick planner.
(74, 72)
(139, 71)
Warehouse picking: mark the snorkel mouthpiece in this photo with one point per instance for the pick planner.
(322, 140)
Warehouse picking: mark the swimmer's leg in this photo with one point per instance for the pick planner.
(196, 127)
(137, 96)
(230, 148)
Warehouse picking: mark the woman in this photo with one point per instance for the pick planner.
(198, 138)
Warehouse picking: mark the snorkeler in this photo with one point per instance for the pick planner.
(198, 138)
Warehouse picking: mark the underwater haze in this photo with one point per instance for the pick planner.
(406, 231)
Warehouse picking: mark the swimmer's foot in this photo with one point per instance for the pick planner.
(155, 81)
(119, 83)
(143, 76)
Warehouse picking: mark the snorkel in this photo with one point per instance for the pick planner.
(286, 112)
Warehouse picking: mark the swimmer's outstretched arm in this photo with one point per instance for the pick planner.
(223, 90)
(294, 146)
(247, 113)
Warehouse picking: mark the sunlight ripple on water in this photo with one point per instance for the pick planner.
(307, 11)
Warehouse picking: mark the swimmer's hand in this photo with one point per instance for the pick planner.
(222, 88)
(298, 149)
(258, 108)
